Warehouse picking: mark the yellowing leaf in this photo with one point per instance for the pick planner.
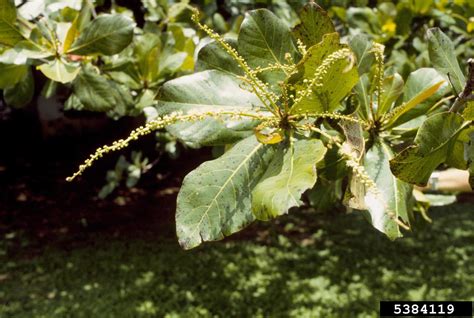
(269, 135)
(399, 111)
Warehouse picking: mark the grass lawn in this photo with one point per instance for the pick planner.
(339, 268)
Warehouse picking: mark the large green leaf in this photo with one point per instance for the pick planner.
(292, 172)
(424, 87)
(338, 77)
(214, 57)
(315, 22)
(9, 34)
(395, 192)
(108, 35)
(265, 40)
(215, 198)
(208, 91)
(434, 141)
(375, 190)
(60, 71)
(443, 57)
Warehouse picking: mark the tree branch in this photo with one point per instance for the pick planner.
(466, 95)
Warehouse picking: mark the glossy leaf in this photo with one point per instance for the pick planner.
(443, 57)
(215, 198)
(291, 172)
(9, 34)
(433, 143)
(264, 40)
(59, 71)
(315, 22)
(108, 35)
(204, 92)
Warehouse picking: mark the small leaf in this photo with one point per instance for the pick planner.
(434, 141)
(315, 23)
(392, 88)
(9, 33)
(78, 25)
(108, 35)
(443, 57)
(215, 198)
(60, 71)
(291, 172)
(269, 135)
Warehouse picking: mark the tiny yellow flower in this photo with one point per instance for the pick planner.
(389, 27)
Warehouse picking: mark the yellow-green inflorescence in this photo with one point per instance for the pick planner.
(378, 50)
(321, 71)
(160, 123)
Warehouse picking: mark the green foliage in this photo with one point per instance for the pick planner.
(215, 199)
(107, 35)
(129, 172)
(9, 34)
(292, 105)
(296, 107)
(443, 57)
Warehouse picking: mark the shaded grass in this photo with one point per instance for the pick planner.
(341, 269)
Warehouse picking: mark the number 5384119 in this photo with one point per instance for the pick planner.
(426, 309)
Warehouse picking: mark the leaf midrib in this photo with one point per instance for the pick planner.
(229, 179)
(101, 37)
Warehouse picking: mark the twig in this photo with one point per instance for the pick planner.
(466, 95)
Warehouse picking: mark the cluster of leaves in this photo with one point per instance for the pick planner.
(297, 105)
(402, 26)
(104, 61)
